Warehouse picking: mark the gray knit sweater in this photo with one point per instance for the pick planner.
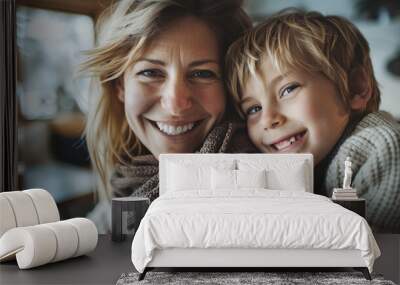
(374, 148)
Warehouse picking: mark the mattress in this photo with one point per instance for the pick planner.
(250, 219)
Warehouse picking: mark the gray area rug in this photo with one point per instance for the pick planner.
(231, 278)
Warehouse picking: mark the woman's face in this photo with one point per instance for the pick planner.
(173, 94)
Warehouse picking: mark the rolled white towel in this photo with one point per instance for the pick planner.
(87, 235)
(45, 205)
(40, 244)
(67, 240)
(7, 218)
(32, 246)
(26, 208)
(23, 209)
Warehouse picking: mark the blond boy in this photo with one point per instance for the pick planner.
(304, 83)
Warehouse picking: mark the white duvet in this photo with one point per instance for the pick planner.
(250, 219)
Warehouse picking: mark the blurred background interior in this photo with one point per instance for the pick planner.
(51, 35)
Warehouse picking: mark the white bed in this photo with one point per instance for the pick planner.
(202, 220)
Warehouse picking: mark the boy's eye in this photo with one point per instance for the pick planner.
(288, 90)
(252, 110)
(203, 74)
(151, 73)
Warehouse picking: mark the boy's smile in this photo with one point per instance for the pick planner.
(289, 143)
(292, 111)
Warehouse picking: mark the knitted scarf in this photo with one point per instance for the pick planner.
(139, 177)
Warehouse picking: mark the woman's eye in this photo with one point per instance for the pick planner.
(288, 90)
(203, 74)
(151, 73)
(252, 110)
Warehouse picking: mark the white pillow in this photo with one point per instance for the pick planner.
(226, 179)
(181, 177)
(223, 179)
(251, 178)
(188, 175)
(280, 174)
(293, 179)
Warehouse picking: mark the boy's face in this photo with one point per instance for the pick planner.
(293, 111)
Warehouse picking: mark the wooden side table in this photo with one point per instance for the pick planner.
(132, 208)
(358, 206)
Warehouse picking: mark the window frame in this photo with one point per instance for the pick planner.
(8, 75)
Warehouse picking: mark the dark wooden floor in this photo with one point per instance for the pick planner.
(106, 264)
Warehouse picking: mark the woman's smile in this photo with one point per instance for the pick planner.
(176, 128)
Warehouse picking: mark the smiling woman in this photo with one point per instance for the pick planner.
(158, 68)
(173, 94)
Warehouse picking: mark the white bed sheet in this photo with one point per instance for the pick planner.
(253, 218)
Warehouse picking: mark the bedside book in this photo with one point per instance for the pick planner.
(344, 194)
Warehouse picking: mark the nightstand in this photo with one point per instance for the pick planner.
(358, 206)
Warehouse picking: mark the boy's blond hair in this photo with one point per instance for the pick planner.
(306, 41)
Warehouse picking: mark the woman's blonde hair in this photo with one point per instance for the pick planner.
(124, 30)
(306, 41)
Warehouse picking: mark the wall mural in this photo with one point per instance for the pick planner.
(171, 95)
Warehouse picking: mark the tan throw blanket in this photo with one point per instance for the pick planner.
(139, 177)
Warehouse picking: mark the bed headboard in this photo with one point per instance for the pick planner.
(212, 158)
